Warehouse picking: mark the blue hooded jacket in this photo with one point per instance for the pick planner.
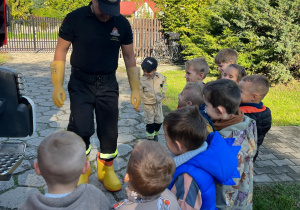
(219, 162)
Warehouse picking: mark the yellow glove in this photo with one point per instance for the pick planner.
(134, 81)
(57, 74)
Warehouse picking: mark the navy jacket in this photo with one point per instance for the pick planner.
(262, 115)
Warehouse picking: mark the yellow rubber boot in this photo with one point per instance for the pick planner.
(107, 175)
(84, 178)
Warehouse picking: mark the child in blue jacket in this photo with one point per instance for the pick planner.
(200, 159)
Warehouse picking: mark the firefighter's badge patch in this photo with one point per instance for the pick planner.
(115, 32)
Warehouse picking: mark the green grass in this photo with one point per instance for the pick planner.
(176, 82)
(30, 35)
(283, 100)
(121, 69)
(3, 57)
(277, 196)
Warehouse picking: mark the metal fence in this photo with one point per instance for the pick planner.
(32, 34)
(38, 34)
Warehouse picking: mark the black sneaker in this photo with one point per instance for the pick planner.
(155, 138)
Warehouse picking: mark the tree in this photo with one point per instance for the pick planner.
(59, 8)
(144, 11)
(38, 4)
(266, 33)
(19, 8)
(190, 18)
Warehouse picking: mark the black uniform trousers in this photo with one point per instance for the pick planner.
(89, 93)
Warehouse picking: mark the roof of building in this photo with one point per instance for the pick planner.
(129, 7)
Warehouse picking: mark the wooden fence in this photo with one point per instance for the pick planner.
(36, 34)
(145, 33)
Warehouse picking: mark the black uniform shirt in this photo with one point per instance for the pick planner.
(95, 44)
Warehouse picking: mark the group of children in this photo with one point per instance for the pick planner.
(212, 138)
(230, 107)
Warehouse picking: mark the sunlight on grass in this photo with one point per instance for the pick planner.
(176, 82)
(276, 196)
(3, 57)
(283, 100)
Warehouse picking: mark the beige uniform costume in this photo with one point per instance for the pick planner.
(152, 91)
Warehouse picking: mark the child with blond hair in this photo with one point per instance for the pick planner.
(196, 70)
(61, 160)
(192, 95)
(224, 58)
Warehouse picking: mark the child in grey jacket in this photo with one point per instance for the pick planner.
(61, 160)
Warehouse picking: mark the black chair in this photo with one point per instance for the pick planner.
(17, 116)
(17, 119)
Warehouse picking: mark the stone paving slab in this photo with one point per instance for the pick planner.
(278, 160)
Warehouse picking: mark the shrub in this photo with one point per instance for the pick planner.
(265, 33)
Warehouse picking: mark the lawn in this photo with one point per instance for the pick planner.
(283, 100)
(3, 57)
(38, 35)
(277, 196)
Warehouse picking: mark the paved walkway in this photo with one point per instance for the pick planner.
(279, 159)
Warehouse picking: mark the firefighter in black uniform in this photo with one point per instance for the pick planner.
(97, 32)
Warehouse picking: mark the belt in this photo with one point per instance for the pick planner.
(92, 77)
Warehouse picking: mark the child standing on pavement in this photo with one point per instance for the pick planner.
(224, 58)
(153, 89)
(222, 99)
(254, 88)
(150, 169)
(61, 159)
